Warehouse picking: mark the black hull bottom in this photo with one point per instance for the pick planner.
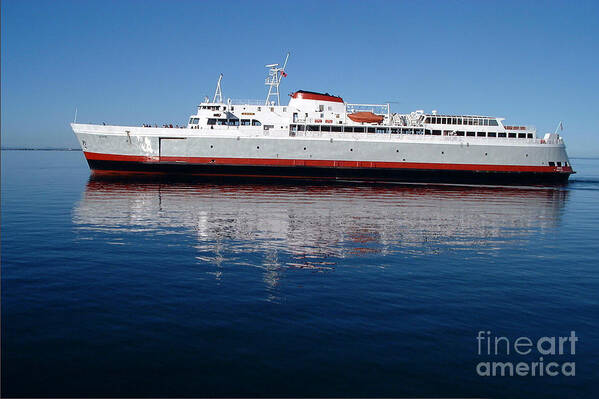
(331, 174)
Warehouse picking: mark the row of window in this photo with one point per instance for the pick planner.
(456, 120)
(396, 130)
(489, 134)
(234, 122)
(558, 163)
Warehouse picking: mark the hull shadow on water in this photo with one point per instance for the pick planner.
(313, 222)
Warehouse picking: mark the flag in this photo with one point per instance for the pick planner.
(561, 126)
(283, 74)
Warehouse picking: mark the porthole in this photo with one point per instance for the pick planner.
(404, 159)
(485, 154)
(443, 152)
(211, 146)
(396, 150)
(257, 147)
(304, 148)
(351, 149)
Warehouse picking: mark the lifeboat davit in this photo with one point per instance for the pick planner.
(366, 117)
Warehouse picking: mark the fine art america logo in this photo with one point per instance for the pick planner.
(551, 356)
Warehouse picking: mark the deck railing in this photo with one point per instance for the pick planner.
(243, 101)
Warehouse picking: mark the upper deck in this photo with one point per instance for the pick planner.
(311, 112)
(322, 112)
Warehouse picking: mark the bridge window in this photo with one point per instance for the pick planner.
(246, 122)
(221, 122)
(256, 123)
(233, 122)
(212, 121)
(493, 122)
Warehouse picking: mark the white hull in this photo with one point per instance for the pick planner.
(254, 147)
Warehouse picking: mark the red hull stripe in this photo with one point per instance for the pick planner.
(326, 163)
(319, 97)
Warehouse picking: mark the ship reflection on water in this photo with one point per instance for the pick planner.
(314, 227)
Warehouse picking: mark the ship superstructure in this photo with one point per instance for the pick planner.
(320, 136)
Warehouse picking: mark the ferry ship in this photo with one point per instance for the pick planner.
(320, 136)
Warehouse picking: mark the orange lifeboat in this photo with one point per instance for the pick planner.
(366, 117)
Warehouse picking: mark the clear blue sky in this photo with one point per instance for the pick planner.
(128, 62)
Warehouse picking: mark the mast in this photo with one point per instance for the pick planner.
(218, 93)
(274, 80)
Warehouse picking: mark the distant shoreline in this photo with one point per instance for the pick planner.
(40, 149)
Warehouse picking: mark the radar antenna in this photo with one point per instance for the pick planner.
(275, 73)
(218, 93)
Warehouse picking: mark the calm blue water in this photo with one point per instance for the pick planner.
(116, 288)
